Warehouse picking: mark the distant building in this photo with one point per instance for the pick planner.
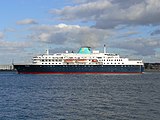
(6, 67)
(152, 66)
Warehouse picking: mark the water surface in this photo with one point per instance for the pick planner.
(79, 97)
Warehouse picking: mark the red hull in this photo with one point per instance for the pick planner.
(80, 72)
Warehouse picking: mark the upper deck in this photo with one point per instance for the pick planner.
(84, 57)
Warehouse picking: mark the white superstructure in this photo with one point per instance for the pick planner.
(84, 57)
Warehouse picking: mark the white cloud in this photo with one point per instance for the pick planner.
(74, 36)
(111, 13)
(12, 45)
(141, 46)
(14, 50)
(9, 30)
(84, 11)
(71, 35)
(102, 14)
(1, 35)
(26, 22)
(67, 26)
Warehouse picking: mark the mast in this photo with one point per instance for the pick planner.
(47, 52)
(104, 48)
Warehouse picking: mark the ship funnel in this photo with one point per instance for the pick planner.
(104, 48)
(85, 50)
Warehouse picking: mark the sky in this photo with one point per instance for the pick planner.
(130, 28)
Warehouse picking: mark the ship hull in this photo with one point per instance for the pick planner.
(79, 69)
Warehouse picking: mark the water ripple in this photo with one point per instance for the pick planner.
(79, 97)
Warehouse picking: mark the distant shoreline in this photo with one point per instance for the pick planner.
(6, 70)
(152, 67)
(151, 70)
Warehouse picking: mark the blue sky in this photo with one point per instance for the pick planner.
(128, 27)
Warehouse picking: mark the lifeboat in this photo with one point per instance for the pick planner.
(69, 60)
(81, 60)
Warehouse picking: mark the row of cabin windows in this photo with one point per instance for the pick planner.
(61, 63)
(60, 60)
(66, 57)
(89, 66)
(79, 58)
(73, 58)
(112, 60)
(51, 57)
(113, 63)
(51, 60)
(53, 63)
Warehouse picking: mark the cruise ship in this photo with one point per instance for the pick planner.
(85, 61)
